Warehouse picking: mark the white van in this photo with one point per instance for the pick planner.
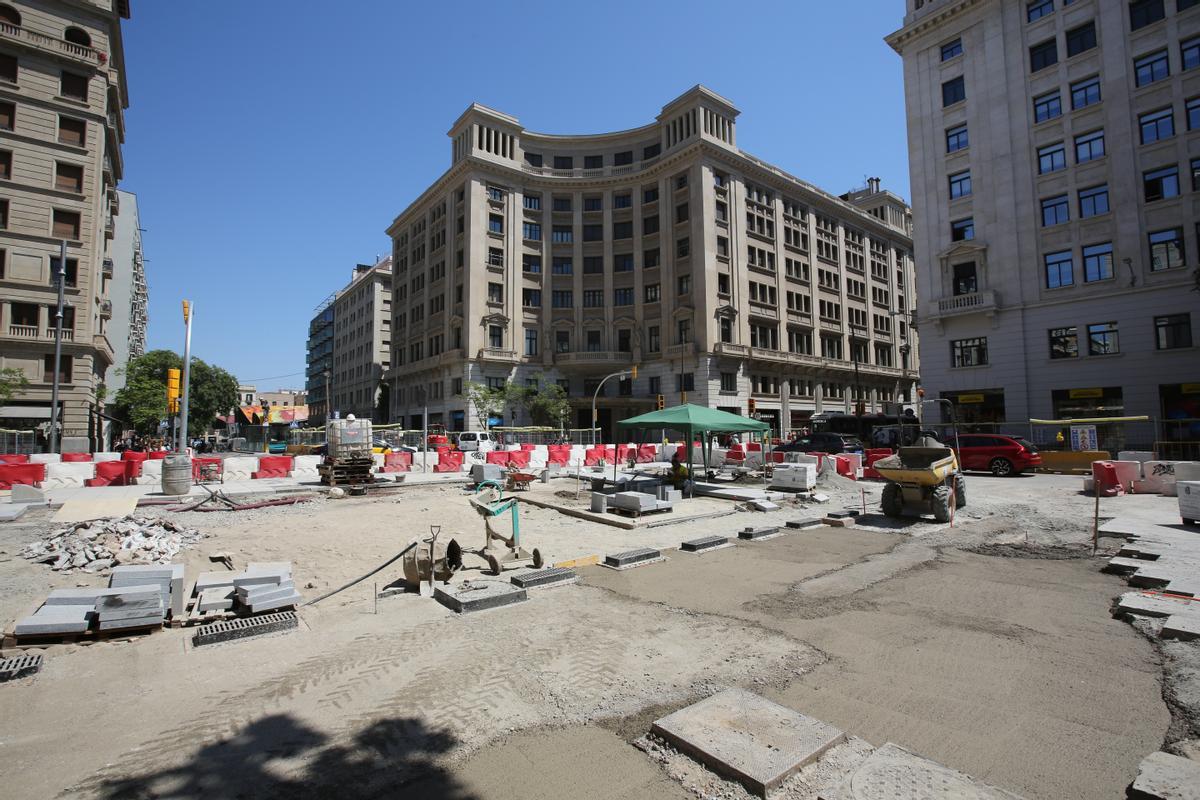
(482, 441)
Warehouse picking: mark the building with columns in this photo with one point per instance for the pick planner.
(63, 96)
(539, 257)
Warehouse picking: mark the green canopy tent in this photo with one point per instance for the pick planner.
(694, 420)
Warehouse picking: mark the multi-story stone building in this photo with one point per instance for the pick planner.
(318, 370)
(128, 293)
(362, 342)
(723, 278)
(62, 101)
(1055, 151)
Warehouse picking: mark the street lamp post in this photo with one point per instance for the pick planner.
(626, 373)
(58, 321)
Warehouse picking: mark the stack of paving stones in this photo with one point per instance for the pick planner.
(265, 587)
(168, 578)
(1164, 563)
(131, 607)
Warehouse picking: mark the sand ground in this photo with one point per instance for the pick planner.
(968, 645)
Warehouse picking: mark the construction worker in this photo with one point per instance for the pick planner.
(679, 477)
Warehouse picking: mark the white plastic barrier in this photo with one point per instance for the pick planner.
(426, 461)
(1158, 476)
(577, 451)
(537, 460)
(68, 476)
(151, 472)
(1128, 472)
(305, 467)
(45, 458)
(107, 457)
(1135, 455)
(240, 468)
(378, 460)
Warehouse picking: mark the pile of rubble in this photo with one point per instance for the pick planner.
(102, 544)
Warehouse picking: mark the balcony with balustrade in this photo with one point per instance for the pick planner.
(987, 301)
(59, 49)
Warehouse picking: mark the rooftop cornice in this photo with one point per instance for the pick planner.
(929, 21)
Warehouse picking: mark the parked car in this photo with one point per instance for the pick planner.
(1001, 455)
(483, 441)
(823, 443)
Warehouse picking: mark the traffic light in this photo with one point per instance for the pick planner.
(187, 309)
(172, 391)
(752, 406)
(662, 402)
(633, 373)
(683, 398)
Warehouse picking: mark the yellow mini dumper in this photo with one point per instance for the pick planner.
(922, 479)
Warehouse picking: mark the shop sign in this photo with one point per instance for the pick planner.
(970, 398)
(1084, 394)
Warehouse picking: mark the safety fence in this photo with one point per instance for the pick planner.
(1175, 439)
(18, 442)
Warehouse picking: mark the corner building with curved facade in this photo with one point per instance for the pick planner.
(538, 257)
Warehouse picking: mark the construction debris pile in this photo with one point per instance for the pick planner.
(103, 544)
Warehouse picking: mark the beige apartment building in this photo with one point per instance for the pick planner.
(362, 341)
(725, 280)
(1054, 147)
(62, 101)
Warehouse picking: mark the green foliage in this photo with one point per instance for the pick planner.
(12, 383)
(548, 405)
(486, 402)
(143, 399)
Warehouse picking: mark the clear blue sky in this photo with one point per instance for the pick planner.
(270, 143)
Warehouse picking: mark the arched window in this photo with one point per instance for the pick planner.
(77, 36)
(9, 14)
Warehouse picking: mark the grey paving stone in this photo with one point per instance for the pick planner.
(800, 524)
(704, 543)
(538, 579)
(12, 511)
(750, 534)
(631, 557)
(893, 773)
(131, 622)
(277, 602)
(478, 596)
(748, 738)
(1182, 626)
(1162, 776)
(219, 599)
(55, 619)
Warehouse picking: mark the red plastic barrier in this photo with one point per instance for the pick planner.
(273, 467)
(498, 457)
(558, 454)
(28, 474)
(158, 455)
(449, 461)
(844, 466)
(1106, 481)
(76, 458)
(647, 453)
(397, 462)
(870, 457)
(133, 455)
(200, 461)
(14, 458)
(518, 458)
(625, 452)
(115, 473)
(736, 453)
(529, 448)
(592, 456)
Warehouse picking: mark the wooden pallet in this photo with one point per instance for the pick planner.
(87, 637)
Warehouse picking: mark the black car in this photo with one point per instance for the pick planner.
(824, 443)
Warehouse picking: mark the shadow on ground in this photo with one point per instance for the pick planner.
(280, 757)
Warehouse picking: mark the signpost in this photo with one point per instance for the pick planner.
(1083, 437)
(188, 312)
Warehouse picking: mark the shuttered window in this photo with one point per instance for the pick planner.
(72, 131)
(66, 224)
(69, 178)
(74, 86)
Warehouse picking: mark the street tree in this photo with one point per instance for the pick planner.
(142, 402)
(548, 405)
(12, 383)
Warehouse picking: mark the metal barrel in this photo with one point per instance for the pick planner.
(177, 474)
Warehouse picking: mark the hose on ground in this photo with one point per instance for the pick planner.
(391, 560)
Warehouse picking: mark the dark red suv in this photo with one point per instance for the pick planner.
(1002, 455)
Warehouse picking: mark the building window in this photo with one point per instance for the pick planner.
(683, 331)
(623, 262)
(962, 230)
(562, 298)
(593, 265)
(593, 298)
(1089, 146)
(495, 293)
(8, 68)
(684, 284)
(562, 341)
(531, 264)
(1036, 9)
(952, 49)
(564, 162)
(593, 233)
(533, 159)
(495, 223)
(956, 139)
(72, 132)
(495, 193)
(1157, 125)
(561, 266)
(496, 336)
(531, 298)
(532, 231)
(1166, 249)
(1193, 113)
(6, 165)
(65, 368)
(1042, 55)
(1085, 93)
(622, 158)
(1102, 339)
(1052, 158)
(66, 224)
(1081, 39)
(965, 279)
(1064, 342)
(8, 116)
(653, 339)
(650, 195)
(532, 202)
(623, 296)
(593, 204)
(685, 382)
(623, 200)
(1161, 184)
(1189, 53)
(683, 248)
(531, 341)
(722, 283)
(593, 162)
(1047, 106)
(625, 345)
(1055, 211)
(72, 276)
(561, 203)
(960, 184)
(969, 352)
(562, 234)
(1195, 174)
(1145, 12)
(681, 181)
(650, 258)
(1171, 332)
(1097, 262)
(1060, 270)
(953, 91)
(1151, 68)
(652, 293)
(1093, 201)
(621, 230)
(74, 86)
(728, 381)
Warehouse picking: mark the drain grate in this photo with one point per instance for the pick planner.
(704, 543)
(19, 667)
(244, 627)
(552, 576)
(631, 557)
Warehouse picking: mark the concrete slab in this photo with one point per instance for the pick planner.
(286, 601)
(23, 493)
(803, 524)
(220, 599)
(1181, 626)
(145, 621)
(81, 509)
(12, 511)
(1150, 605)
(55, 619)
(748, 738)
(892, 772)
(704, 544)
(478, 596)
(631, 558)
(542, 578)
(1162, 776)
(750, 534)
